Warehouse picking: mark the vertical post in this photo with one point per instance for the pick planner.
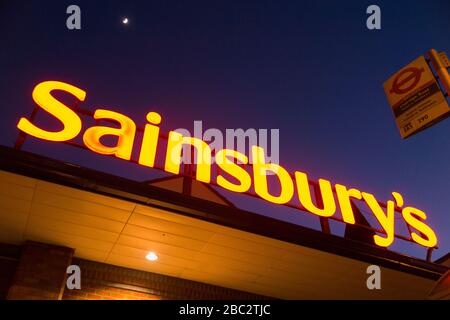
(429, 253)
(189, 173)
(324, 222)
(440, 68)
(22, 135)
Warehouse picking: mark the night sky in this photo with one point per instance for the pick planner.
(309, 68)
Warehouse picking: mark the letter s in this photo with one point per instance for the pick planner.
(70, 120)
(427, 237)
(234, 170)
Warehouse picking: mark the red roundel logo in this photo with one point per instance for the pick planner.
(406, 80)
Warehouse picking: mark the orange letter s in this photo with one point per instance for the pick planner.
(70, 120)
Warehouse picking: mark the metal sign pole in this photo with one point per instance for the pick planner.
(440, 64)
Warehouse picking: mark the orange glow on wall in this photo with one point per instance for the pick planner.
(225, 159)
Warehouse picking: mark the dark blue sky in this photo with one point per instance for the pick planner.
(310, 68)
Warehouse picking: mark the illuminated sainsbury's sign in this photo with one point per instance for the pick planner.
(226, 159)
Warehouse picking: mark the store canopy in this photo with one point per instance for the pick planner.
(117, 221)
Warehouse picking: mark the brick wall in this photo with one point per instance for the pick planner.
(96, 290)
(7, 269)
(41, 272)
(107, 282)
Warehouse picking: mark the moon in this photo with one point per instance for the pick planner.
(125, 21)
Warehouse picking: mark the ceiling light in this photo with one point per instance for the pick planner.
(151, 256)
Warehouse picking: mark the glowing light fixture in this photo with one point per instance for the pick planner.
(151, 256)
